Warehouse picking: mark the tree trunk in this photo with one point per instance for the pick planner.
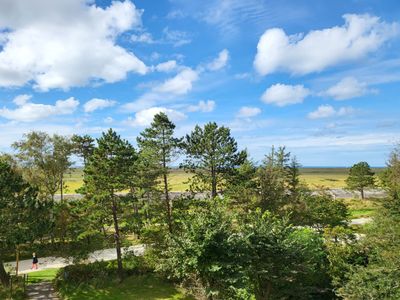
(167, 202)
(269, 290)
(61, 189)
(213, 183)
(117, 240)
(4, 277)
(16, 260)
(362, 194)
(166, 192)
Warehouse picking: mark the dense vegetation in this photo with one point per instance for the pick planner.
(243, 231)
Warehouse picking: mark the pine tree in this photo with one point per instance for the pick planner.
(360, 177)
(161, 147)
(212, 155)
(107, 173)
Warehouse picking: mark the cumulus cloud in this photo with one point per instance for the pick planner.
(319, 49)
(30, 112)
(22, 99)
(96, 104)
(327, 111)
(282, 94)
(65, 43)
(178, 85)
(219, 62)
(347, 88)
(145, 117)
(248, 112)
(203, 106)
(167, 66)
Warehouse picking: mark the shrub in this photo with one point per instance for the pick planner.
(101, 271)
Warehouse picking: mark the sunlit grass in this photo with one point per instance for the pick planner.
(42, 275)
(139, 287)
(313, 177)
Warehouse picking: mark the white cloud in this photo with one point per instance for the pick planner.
(29, 112)
(322, 142)
(22, 99)
(347, 88)
(242, 75)
(65, 43)
(176, 37)
(248, 112)
(323, 111)
(219, 62)
(203, 106)
(145, 37)
(345, 111)
(282, 94)
(181, 84)
(327, 111)
(167, 66)
(229, 16)
(145, 117)
(96, 103)
(319, 49)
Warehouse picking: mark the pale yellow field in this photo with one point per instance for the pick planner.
(313, 177)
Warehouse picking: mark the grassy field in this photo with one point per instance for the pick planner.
(313, 177)
(134, 287)
(361, 209)
(42, 275)
(139, 287)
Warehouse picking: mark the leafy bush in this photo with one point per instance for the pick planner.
(99, 272)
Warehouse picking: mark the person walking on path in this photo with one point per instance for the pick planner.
(34, 262)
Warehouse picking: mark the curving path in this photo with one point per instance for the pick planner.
(59, 262)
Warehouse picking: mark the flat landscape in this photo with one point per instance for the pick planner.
(313, 177)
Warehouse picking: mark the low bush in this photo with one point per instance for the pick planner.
(99, 272)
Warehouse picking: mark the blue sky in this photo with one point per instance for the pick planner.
(321, 77)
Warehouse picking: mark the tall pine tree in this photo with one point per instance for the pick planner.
(160, 147)
(107, 174)
(212, 155)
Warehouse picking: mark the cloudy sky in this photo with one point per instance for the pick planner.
(321, 77)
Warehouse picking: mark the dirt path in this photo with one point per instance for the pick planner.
(360, 221)
(41, 291)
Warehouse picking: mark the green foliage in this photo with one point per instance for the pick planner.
(378, 277)
(159, 146)
(97, 281)
(44, 159)
(205, 252)
(137, 287)
(391, 176)
(283, 262)
(360, 177)
(278, 182)
(233, 258)
(107, 172)
(108, 167)
(242, 187)
(22, 217)
(323, 210)
(83, 146)
(343, 252)
(211, 155)
(368, 268)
